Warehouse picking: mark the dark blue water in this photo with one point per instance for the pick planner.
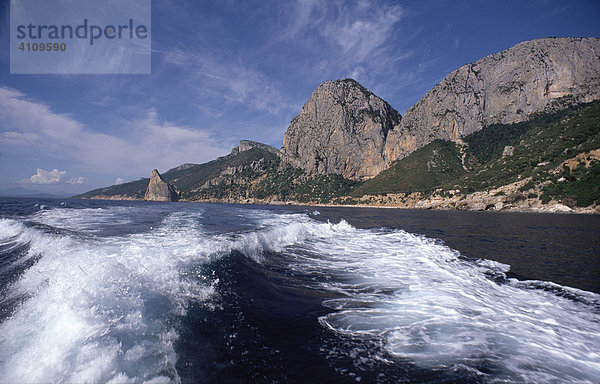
(95, 291)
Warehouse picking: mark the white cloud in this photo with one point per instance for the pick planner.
(361, 30)
(118, 180)
(53, 177)
(316, 40)
(146, 143)
(231, 79)
(355, 32)
(77, 180)
(47, 177)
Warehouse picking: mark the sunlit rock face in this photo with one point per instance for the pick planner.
(342, 130)
(506, 87)
(159, 190)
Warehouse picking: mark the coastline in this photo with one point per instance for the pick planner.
(464, 204)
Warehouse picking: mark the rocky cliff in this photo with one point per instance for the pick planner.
(342, 129)
(246, 145)
(507, 126)
(159, 190)
(506, 87)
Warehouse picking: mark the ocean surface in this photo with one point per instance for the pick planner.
(119, 292)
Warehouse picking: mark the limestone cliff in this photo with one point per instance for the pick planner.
(159, 190)
(342, 130)
(246, 145)
(344, 136)
(506, 87)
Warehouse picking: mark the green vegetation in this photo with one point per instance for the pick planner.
(279, 181)
(134, 189)
(489, 143)
(581, 187)
(188, 180)
(423, 170)
(290, 183)
(540, 145)
(324, 188)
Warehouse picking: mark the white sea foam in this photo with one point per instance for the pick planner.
(9, 229)
(425, 304)
(104, 309)
(84, 220)
(100, 310)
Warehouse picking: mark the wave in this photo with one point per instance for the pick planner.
(422, 302)
(107, 309)
(99, 309)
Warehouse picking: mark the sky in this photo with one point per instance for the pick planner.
(224, 71)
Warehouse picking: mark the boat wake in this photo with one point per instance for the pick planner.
(88, 301)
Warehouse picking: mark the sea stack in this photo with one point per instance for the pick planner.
(159, 190)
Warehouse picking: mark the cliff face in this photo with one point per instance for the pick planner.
(159, 190)
(342, 130)
(246, 145)
(344, 136)
(506, 87)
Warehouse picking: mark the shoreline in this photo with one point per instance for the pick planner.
(551, 207)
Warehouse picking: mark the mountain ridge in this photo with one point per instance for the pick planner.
(345, 135)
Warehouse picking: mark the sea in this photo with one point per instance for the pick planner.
(145, 292)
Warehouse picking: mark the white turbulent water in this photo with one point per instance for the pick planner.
(104, 309)
(99, 309)
(84, 220)
(427, 305)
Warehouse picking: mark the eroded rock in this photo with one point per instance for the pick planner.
(159, 190)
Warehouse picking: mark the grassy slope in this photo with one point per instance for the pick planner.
(540, 145)
(188, 179)
(290, 183)
(581, 186)
(134, 189)
(423, 170)
(544, 144)
(184, 179)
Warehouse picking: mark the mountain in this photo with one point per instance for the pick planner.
(553, 157)
(199, 182)
(160, 190)
(345, 129)
(513, 130)
(507, 87)
(252, 172)
(23, 192)
(342, 130)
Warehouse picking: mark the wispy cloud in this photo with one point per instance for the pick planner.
(148, 142)
(331, 39)
(360, 29)
(353, 37)
(301, 44)
(229, 78)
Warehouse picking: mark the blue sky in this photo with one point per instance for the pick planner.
(223, 71)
